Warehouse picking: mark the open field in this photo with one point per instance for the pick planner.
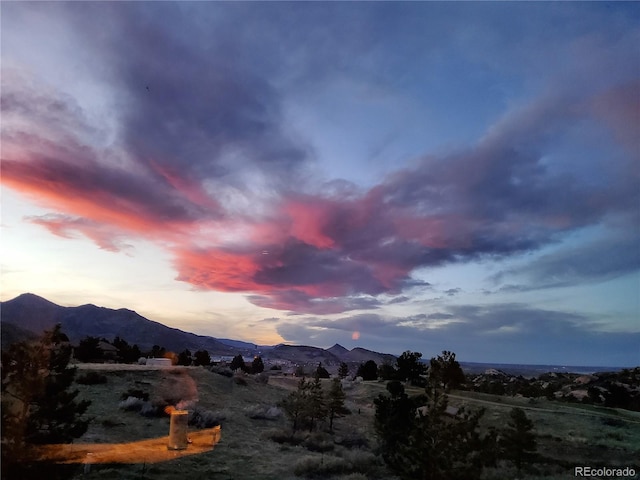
(568, 435)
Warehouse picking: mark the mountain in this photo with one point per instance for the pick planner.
(338, 350)
(28, 315)
(13, 333)
(238, 344)
(361, 355)
(36, 314)
(303, 354)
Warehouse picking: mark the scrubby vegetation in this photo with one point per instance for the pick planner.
(422, 423)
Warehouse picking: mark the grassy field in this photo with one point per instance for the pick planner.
(568, 435)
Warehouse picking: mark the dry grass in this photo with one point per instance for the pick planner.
(568, 435)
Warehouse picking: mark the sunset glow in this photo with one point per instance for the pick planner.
(458, 176)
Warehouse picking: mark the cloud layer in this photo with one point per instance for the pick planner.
(205, 163)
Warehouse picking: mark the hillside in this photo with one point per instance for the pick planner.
(36, 314)
(299, 354)
(28, 315)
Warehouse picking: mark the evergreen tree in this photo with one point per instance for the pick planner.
(201, 357)
(157, 351)
(421, 440)
(321, 372)
(126, 352)
(257, 366)
(184, 358)
(387, 372)
(410, 368)
(368, 370)
(518, 442)
(445, 371)
(238, 363)
(343, 371)
(89, 350)
(38, 406)
(335, 402)
(294, 404)
(305, 406)
(394, 420)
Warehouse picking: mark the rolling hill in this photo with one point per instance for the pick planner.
(28, 316)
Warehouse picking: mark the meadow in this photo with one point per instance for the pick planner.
(568, 435)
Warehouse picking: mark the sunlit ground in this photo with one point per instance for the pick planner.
(153, 450)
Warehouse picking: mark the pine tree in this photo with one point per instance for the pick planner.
(184, 358)
(238, 363)
(316, 405)
(335, 402)
(294, 405)
(518, 442)
(38, 406)
(368, 370)
(257, 366)
(321, 372)
(343, 371)
(420, 439)
(201, 357)
(410, 368)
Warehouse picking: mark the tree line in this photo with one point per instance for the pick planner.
(89, 349)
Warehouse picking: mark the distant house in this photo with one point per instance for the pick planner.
(109, 352)
(159, 362)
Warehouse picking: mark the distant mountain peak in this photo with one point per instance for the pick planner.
(338, 350)
(31, 297)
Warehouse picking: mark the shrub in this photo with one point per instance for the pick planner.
(319, 442)
(287, 437)
(131, 404)
(365, 464)
(200, 418)
(92, 378)
(224, 371)
(263, 412)
(262, 378)
(353, 440)
(133, 392)
(314, 467)
(150, 410)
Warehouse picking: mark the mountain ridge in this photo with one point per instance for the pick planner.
(30, 313)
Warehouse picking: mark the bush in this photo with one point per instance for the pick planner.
(133, 392)
(314, 467)
(91, 378)
(353, 440)
(281, 436)
(263, 412)
(365, 464)
(131, 404)
(200, 418)
(319, 442)
(262, 378)
(224, 371)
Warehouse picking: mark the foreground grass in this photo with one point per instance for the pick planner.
(568, 435)
(245, 451)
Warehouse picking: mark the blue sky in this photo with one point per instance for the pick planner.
(423, 176)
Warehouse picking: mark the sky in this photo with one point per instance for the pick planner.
(392, 176)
